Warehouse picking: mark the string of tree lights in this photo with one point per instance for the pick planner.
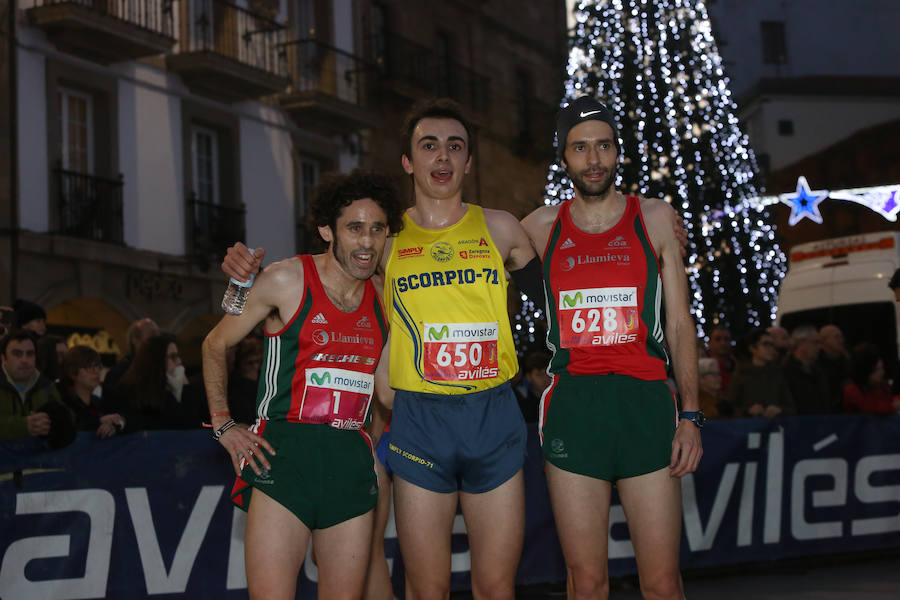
(656, 65)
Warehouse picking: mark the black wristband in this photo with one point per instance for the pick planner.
(530, 280)
(228, 425)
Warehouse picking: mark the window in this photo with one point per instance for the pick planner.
(76, 134)
(307, 179)
(205, 157)
(774, 44)
(785, 127)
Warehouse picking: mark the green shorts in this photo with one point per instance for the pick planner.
(607, 426)
(323, 475)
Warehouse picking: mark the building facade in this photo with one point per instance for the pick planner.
(812, 79)
(146, 136)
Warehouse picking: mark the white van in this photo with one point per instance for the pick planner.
(844, 281)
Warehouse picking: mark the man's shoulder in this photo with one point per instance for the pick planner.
(656, 208)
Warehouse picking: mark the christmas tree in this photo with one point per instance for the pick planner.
(656, 65)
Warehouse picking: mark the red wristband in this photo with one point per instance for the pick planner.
(223, 413)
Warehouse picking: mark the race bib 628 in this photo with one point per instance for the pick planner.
(598, 316)
(460, 351)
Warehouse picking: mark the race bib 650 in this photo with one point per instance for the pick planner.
(598, 316)
(460, 351)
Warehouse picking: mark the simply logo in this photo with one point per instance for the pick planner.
(320, 319)
(435, 334)
(324, 379)
(567, 244)
(572, 301)
(441, 251)
(320, 337)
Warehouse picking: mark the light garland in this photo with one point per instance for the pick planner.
(655, 64)
(804, 203)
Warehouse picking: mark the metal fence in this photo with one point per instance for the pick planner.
(152, 15)
(236, 33)
(215, 226)
(90, 207)
(318, 67)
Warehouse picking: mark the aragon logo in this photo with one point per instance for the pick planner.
(572, 301)
(568, 264)
(325, 378)
(320, 337)
(441, 251)
(435, 334)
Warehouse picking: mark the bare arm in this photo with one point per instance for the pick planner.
(262, 301)
(681, 333)
(510, 238)
(538, 225)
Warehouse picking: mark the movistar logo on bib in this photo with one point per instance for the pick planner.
(598, 298)
(461, 332)
(340, 379)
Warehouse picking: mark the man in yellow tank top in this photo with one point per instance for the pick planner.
(457, 434)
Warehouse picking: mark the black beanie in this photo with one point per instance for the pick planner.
(579, 110)
(27, 311)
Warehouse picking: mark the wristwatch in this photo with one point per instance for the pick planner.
(694, 416)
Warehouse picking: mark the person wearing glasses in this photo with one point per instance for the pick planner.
(759, 387)
(81, 369)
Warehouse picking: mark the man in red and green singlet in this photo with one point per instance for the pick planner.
(325, 331)
(610, 263)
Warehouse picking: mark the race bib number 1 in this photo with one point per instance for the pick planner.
(598, 317)
(460, 351)
(338, 397)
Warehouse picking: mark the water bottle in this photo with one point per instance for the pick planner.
(236, 294)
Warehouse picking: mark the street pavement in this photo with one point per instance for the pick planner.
(868, 577)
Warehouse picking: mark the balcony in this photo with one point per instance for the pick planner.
(89, 207)
(412, 70)
(228, 52)
(106, 31)
(214, 227)
(329, 88)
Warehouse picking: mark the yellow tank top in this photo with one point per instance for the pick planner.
(445, 296)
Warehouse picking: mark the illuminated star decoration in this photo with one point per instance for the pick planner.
(804, 203)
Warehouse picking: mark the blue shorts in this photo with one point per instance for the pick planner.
(381, 452)
(470, 442)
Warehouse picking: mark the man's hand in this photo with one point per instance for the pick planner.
(243, 444)
(686, 449)
(240, 264)
(755, 410)
(38, 424)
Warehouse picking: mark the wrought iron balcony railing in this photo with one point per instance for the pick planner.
(215, 226)
(236, 33)
(399, 59)
(153, 15)
(89, 207)
(318, 67)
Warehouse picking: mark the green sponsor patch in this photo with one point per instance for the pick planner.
(572, 301)
(434, 334)
(325, 378)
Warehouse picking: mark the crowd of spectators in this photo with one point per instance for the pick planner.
(807, 371)
(50, 391)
